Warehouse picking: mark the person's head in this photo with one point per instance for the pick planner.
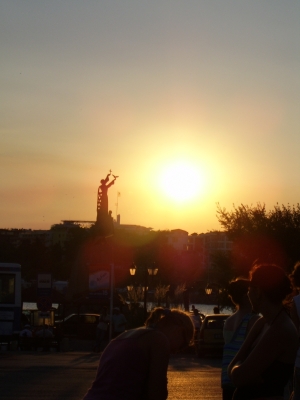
(268, 280)
(116, 310)
(238, 290)
(175, 324)
(216, 310)
(295, 275)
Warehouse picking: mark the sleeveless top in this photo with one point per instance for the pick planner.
(228, 335)
(230, 349)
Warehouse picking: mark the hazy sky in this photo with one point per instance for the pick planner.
(139, 87)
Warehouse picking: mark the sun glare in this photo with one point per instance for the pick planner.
(181, 181)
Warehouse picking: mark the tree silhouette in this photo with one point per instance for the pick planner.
(262, 235)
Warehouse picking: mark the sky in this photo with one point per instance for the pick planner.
(191, 103)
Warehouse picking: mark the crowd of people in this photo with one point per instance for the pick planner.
(261, 355)
(261, 339)
(260, 361)
(33, 337)
(119, 324)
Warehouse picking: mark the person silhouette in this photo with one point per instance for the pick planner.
(265, 362)
(235, 330)
(135, 364)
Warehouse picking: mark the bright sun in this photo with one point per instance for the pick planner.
(181, 181)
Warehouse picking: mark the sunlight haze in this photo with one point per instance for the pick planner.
(141, 88)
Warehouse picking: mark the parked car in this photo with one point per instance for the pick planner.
(81, 326)
(210, 340)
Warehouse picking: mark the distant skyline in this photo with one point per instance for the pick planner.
(207, 90)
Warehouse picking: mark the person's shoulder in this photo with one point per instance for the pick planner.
(158, 337)
(285, 337)
(157, 341)
(285, 329)
(255, 325)
(230, 322)
(151, 334)
(258, 322)
(135, 332)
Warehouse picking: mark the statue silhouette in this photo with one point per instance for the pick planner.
(104, 222)
(102, 193)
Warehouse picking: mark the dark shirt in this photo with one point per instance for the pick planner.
(274, 380)
(123, 372)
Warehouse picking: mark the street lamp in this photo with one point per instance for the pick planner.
(152, 271)
(132, 269)
(208, 289)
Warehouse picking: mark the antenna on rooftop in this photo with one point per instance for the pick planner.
(117, 204)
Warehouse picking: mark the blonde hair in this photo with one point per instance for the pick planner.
(173, 316)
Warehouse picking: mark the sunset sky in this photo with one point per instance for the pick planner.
(206, 90)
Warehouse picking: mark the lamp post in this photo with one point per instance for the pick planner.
(132, 269)
(152, 271)
(209, 290)
(111, 301)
